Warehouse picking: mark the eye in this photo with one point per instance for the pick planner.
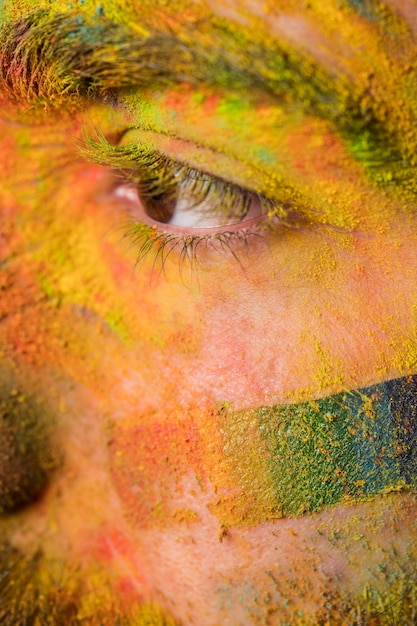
(179, 199)
(172, 207)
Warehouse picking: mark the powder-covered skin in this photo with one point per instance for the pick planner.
(220, 429)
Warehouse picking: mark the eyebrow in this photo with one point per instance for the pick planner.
(53, 58)
(65, 59)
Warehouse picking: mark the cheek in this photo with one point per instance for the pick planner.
(311, 316)
(154, 460)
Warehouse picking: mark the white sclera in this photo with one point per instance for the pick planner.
(189, 215)
(204, 214)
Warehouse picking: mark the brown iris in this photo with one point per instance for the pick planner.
(159, 199)
(160, 208)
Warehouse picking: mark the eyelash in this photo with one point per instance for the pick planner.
(155, 175)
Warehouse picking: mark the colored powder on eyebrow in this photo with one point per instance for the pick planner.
(362, 8)
(374, 87)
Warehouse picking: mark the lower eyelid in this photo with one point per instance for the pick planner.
(157, 242)
(212, 230)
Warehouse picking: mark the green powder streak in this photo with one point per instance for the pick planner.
(301, 458)
(325, 452)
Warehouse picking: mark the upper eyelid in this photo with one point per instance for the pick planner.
(155, 145)
(197, 155)
(133, 156)
(171, 145)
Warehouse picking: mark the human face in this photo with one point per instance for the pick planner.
(208, 313)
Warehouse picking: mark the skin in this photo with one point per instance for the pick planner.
(149, 374)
